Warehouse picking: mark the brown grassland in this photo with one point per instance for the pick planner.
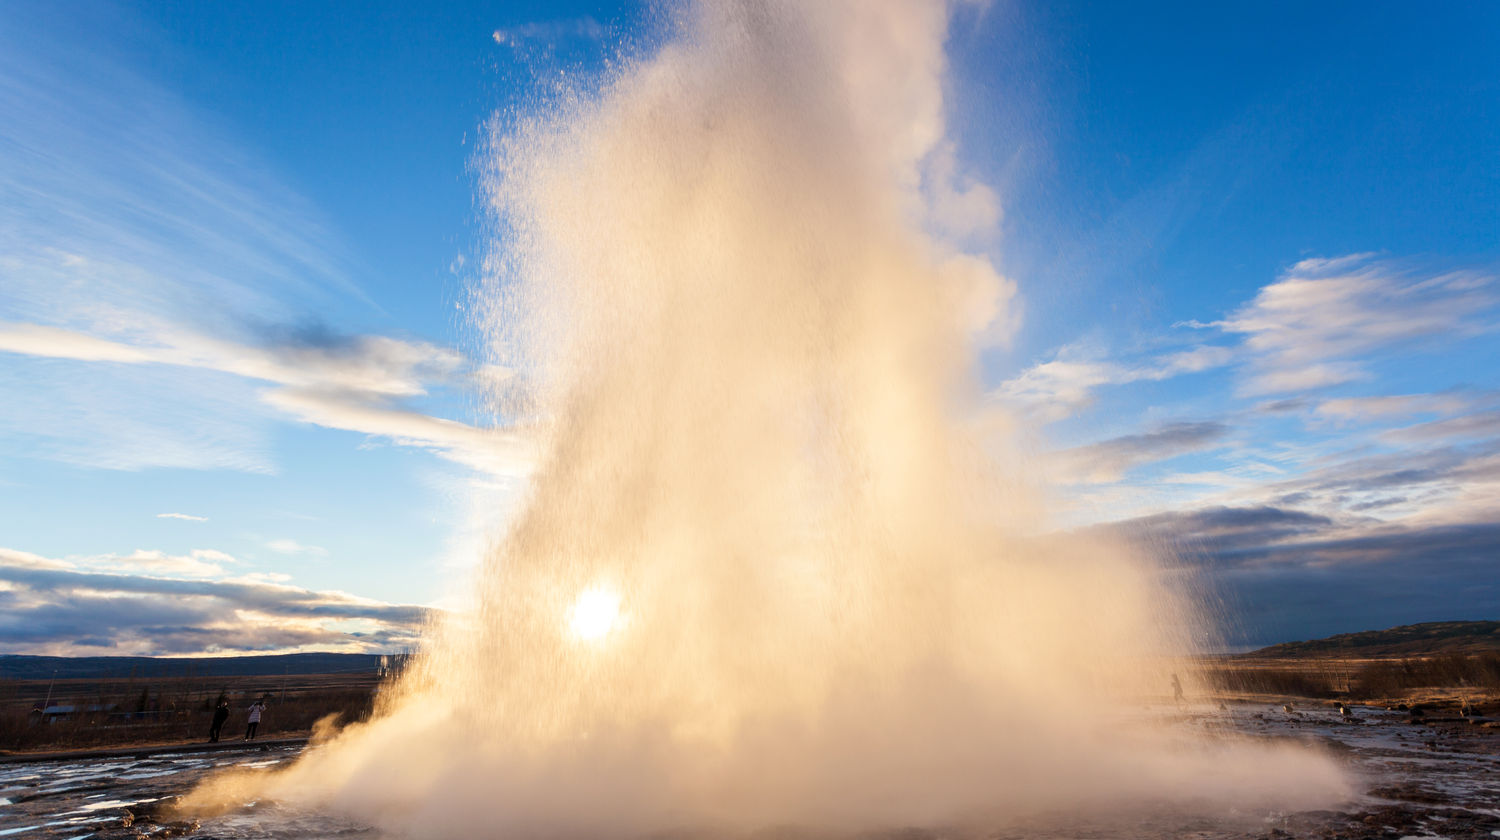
(1443, 667)
(129, 712)
(1440, 680)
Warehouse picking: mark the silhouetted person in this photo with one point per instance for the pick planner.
(255, 709)
(221, 714)
(1177, 696)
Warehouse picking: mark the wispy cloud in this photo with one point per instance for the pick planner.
(1109, 460)
(1065, 384)
(352, 383)
(1318, 324)
(376, 365)
(291, 546)
(1393, 405)
(198, 563)
(498, 451)
(1474, 426)
(126, 214)
(186, 517)
(116, 195)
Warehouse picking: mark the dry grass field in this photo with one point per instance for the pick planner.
(1442, 680)
(131, 711)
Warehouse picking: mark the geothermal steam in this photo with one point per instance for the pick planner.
(765, 572)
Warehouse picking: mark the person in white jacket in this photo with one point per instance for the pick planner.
(255, 709)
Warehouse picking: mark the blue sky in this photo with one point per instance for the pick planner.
(1255, 247)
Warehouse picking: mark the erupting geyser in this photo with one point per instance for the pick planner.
(768, 571)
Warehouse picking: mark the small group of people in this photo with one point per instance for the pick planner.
(221, 716)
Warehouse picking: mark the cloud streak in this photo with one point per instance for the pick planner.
(126, 214)
(1064, 385)
(373, 364)
(1109, 460)
(350, 383)
(1316, 326)
(291, 546)
(115, 193)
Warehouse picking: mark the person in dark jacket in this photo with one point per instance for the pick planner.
(221, 714)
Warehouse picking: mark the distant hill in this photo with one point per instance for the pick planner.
(16, 667)
(1410, 640)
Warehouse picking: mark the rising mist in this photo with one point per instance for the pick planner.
(779, 563)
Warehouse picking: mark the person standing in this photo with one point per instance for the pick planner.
(255, 709)
(221, 714)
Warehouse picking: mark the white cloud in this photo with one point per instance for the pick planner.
(291, 546)
(1065, 384)
(373, 364)
(1311, 377)
(1392, 405)
(125, 214)
(344, 384)
(1318, 324)
(187, 517)
(1109, 460)
(198, 563)
(497, 451)
(1201, 358)
(120, 198)
(1314, 328)
(1377, 457)
(1479, 425)
(25, 559)
(55, 343)
(1054, 389)
(260, 577)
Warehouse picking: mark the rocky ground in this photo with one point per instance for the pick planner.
(1439, 777)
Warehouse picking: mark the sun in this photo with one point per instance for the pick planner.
(594, 614)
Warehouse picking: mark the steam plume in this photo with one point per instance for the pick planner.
(765, 573)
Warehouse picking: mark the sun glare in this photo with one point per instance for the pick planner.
(594, 614)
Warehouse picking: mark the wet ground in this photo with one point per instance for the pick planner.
(1430, 780)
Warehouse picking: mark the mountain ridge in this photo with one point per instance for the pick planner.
(1425, 639)
(27, 667)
